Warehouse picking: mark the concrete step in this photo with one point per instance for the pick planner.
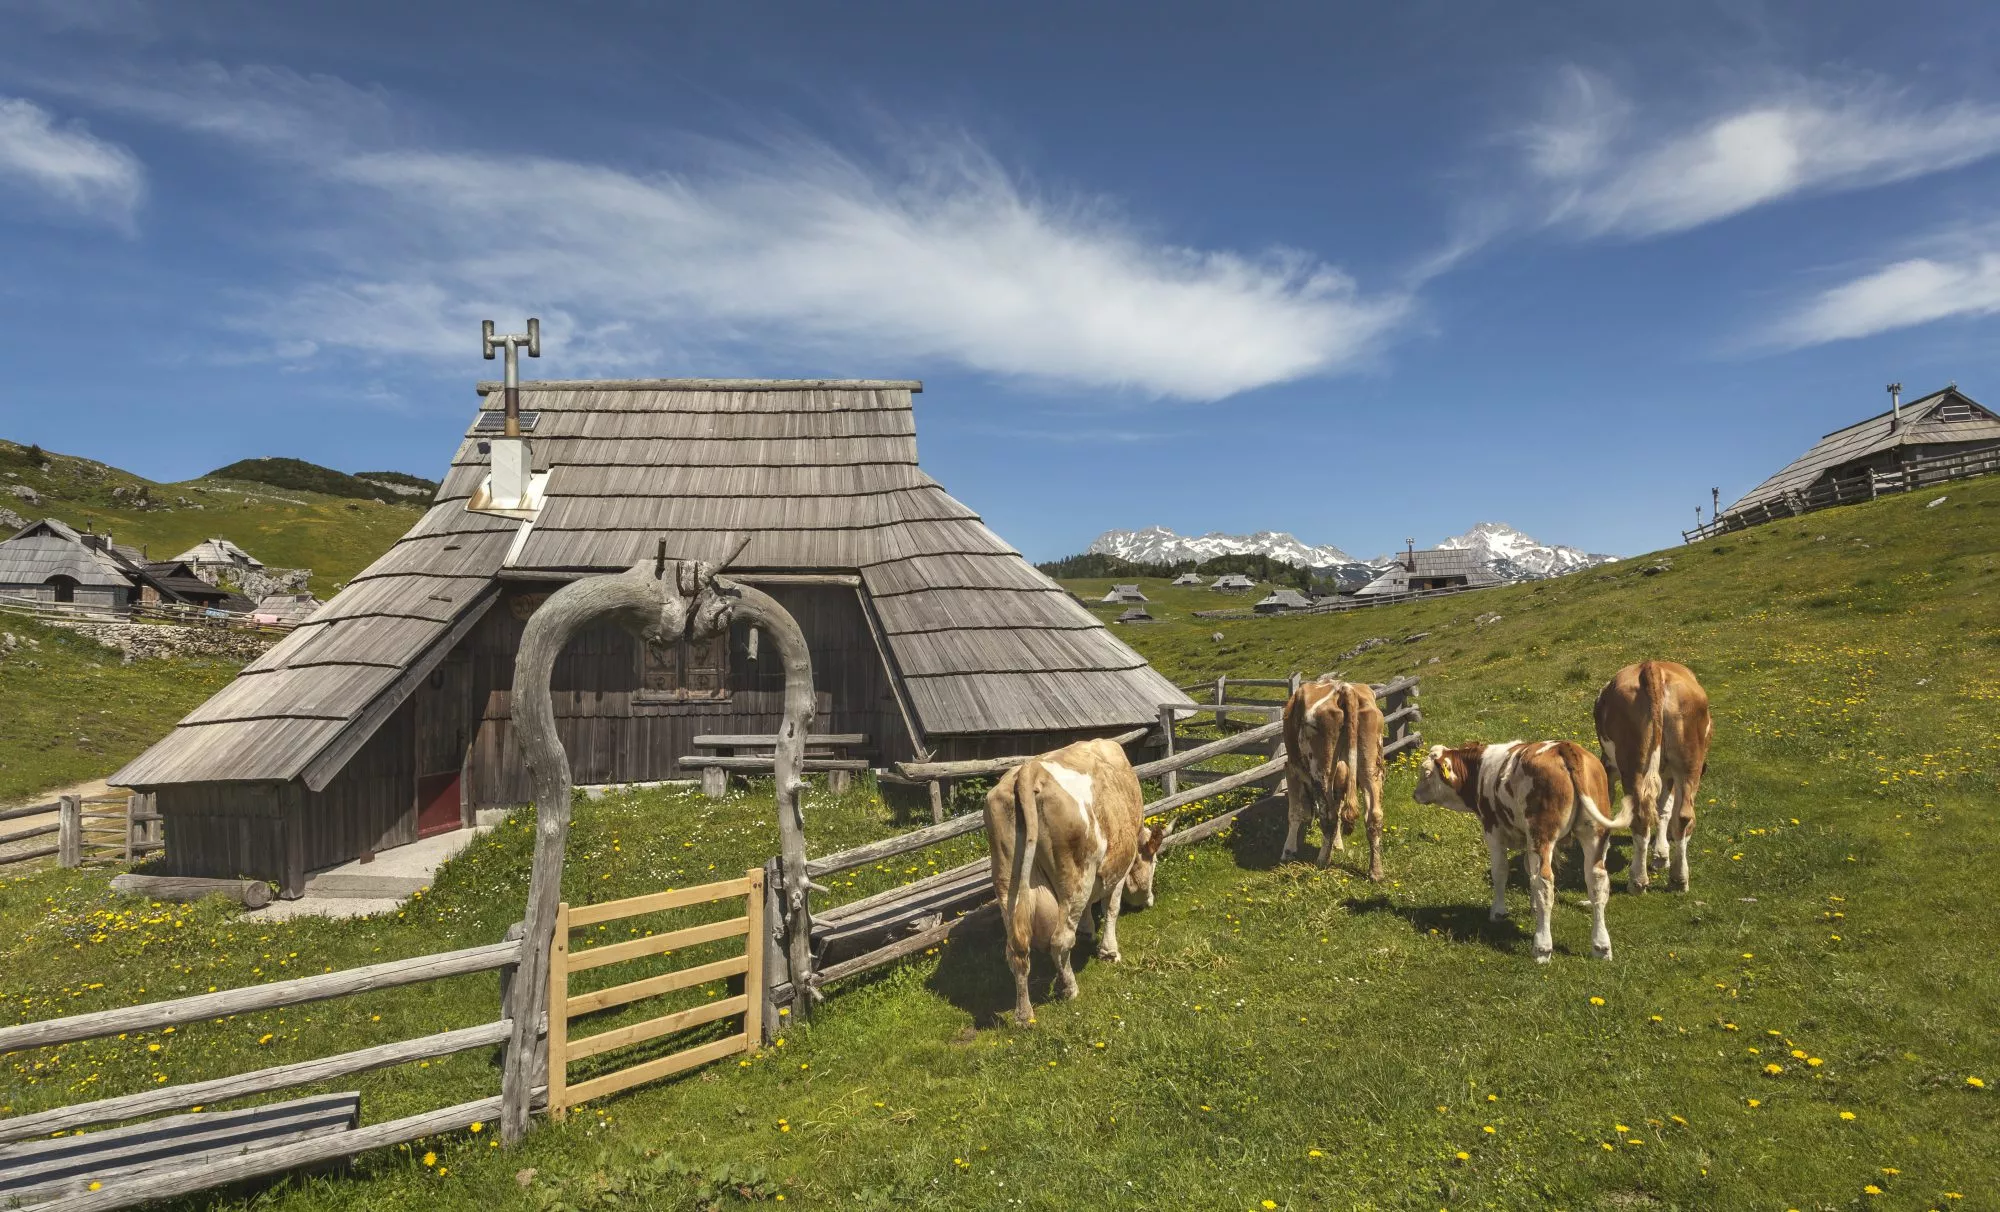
(353, 884)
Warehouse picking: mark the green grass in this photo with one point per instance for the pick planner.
(73, 712)
(334, 536)
(1281, 1033)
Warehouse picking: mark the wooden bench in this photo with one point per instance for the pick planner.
(37, 1171)
(825, 751)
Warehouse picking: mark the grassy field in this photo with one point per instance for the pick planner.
(71, 711)
(336, 537)
(1810, 1027)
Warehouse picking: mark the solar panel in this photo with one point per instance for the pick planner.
(495, 422)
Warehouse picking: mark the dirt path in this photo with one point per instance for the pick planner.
(93, 787)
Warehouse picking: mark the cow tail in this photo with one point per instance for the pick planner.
(1350, 779)
(1027, 832)
(1590, 809)
(1646, 780)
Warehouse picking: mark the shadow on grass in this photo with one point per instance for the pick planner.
(972, 972)
(1459, 923)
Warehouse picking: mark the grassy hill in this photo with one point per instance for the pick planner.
(1810, 1027)
(336, 536)
(311, 477)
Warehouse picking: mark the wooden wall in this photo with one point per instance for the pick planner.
(613, 735)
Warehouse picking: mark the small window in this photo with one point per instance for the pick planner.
(1955, 411)
(685, 671)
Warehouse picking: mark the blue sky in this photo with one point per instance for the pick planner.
(1358, 272)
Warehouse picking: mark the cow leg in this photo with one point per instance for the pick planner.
(1682, 828)
(1596, 846)
(1373, 789)
(1298, 807)
(1540, 866)
(1107, 938)
(1063, 945)
(1496, 855)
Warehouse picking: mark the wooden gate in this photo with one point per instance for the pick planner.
(563, 1007)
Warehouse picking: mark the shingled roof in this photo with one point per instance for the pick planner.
(1943, 418)
(817, 475)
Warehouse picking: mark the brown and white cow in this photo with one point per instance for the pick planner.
(1529, 796)
(1653, 728)
(1067, 830)
(1333, 767)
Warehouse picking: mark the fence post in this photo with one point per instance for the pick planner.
(1171, 780)
(69, 831)
(131, 828)
(757, 945)
(558, 1035)
(937, 801)
(1221, 691)
(774, 952)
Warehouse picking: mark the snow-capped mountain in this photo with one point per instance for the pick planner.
(1158, 545)
(1517, 557)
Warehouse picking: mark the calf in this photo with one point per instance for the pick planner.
(1067, 830)
(1333, 763)
(1529, 797)
(1653, 728)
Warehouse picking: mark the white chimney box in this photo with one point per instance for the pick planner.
(513, 465)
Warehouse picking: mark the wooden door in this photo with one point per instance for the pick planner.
(437, 803)
(442, 715)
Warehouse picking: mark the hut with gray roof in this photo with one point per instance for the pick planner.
(1430, 570)
(386, 716)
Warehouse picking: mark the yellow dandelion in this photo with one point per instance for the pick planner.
(1847, 1115)
(1755, 1102)
(1774, 1069)
(1975, 1083)
(1597, 1001)
(1462, 1155)
(430, 1159)
(1871, 1189)
(1314, 1153)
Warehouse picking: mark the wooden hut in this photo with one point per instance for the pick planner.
(1281, 600)
(1124, 593)
(1423, 571)
(1135, 614)
(387, 715)
(1233, 582)
(1188, 578)
(51, 561)
(1943, 423)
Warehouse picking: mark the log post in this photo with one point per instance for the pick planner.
(132, 826)
(774, 950)
(937, 801)
(1221, 690)
(1171, 780)
(69, 834)
(714, 782)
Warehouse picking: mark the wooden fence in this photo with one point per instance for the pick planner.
(179, 614)
(180, 1177)
(1347, 602)
(87, 829)
(563, 1006)
(914, 917)
(1866, 486)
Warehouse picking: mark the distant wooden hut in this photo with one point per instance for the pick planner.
(1188, 578)
(1423, 571)
(1943, 423)
(388, 715)
(1233, 582)
(51, 561)
(218, 556)
(1282, 600)
(1124, 593)
(1137, 614)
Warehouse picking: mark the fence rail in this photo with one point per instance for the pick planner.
(179, 614)
(88, 829)
(1910, 477)
(1346, 603)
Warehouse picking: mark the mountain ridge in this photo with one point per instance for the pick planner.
(1509, 553)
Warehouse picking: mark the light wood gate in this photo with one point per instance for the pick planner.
(563, 1007)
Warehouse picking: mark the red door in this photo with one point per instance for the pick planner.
(437, 803)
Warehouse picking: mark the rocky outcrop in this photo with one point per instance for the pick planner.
(150, 641)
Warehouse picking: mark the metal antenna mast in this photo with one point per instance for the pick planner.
(512, 343)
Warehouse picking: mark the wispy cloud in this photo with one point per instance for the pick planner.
(933, 253)
(64, 164)
(1959, 276)
(1607, 167)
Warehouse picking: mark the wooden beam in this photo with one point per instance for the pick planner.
(651, 1071)
(654, 902)
(1201, 753)
(153, 1015)
(918, 772)
(260, 1081)
(652, 986)
(766, 741)
(657, 944)
(861, 856)
(712, 762)
(1256, 774)
(251, 894)
(654, 1028)
(15, 814)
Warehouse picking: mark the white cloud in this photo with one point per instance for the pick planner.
(1960, 278)
(786, 250)
(68, 165)
(1607, 171)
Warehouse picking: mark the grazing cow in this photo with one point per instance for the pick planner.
(1067, 830)
(1529, 797)
(1333, 763)
(1653, 728)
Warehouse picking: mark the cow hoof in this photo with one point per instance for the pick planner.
(1543, 957)
(1110, 957)
(1496, 915)
(1658, 862)
(1603, 953)
(1375, 876)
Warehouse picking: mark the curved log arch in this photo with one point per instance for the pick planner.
(661, 601)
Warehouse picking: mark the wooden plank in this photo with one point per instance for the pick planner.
(1212, 826)
(930, 835)
(652, 986)
(23, 835)
(868, 904)
(666, 1066)
(1201, 753)
(966, 893)
(260, 1081)
(1256, 774)
(754, 976)
(918, 772)
(1165, 763)
(1405, 742)
(747, 762)
(558, 1035)
(655, 944)
(69, 841)
(889, 954)
(323, 1147)
(666, 1024)
(15, 814)
(270, 996)
(752, 740)
(252, 894)
(654, 902)
(24, 855)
